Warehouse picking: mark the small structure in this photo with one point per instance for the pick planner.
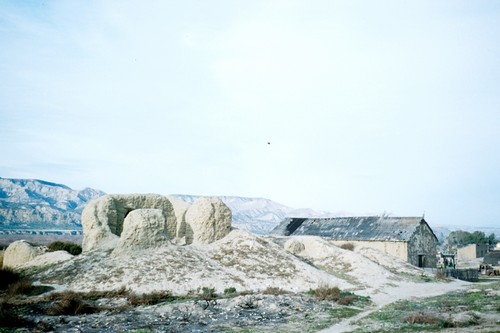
(408, 238)
(472, 251)
(446, 261)
(492, 258)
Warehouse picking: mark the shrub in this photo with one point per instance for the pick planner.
(248, 303)
(229, 291)
(347, 246)
(20, 287)
(274, 291)
(150, 299)
(326, 293)
(207, 295)
(7, 277)
(346, 300)
(70, 303)
(421, 318)
(71, 248)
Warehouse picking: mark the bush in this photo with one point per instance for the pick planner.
(274, 291)
(7, 277)
(326, 293)
(207, 295)
(347, 246)
(71, 248)
(421, 318)
(229, 291)
(20, 287)
(70, 303)
(150, 299)
(346, 300)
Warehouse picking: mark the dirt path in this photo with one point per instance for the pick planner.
(405, 290)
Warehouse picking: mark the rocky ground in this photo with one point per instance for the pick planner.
(273, 310)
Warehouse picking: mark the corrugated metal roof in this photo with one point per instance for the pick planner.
(368, 228)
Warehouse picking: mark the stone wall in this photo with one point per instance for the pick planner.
(422, 247)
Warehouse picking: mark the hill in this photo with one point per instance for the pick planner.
(32, 204)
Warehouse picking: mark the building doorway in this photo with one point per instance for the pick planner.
(421, 260)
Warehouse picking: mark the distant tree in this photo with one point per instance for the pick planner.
(492, 240)
(460, 238)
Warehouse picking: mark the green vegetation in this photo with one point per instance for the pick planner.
(71, 248)
(343, 312)
(462, 238)
(327, 293)
(230, 291)
(432, 314)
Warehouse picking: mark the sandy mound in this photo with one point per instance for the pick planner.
(240, 260)
(363, 267)
(48, 258)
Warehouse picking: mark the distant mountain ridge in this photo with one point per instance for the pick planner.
(38, 204)
(32, 204)
(258, 215)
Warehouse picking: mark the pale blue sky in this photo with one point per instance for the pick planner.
(369, 106)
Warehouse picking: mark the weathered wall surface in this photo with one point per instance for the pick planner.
(422, 247)
(395, 249)
(466, 253)
(136, 221)
(102, 219)
(471, 252)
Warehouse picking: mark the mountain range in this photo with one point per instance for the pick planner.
(41, 205)
(31, 204)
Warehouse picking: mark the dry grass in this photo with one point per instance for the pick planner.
(440, 275)
(70, 303)
(346, 300)
(21, 287)
(150, 299)
(274, 291)
(347, 246)
(326, 293)
(420, 318)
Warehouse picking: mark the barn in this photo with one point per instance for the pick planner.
(408, 238)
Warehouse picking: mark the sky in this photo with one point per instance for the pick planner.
(355, 107)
